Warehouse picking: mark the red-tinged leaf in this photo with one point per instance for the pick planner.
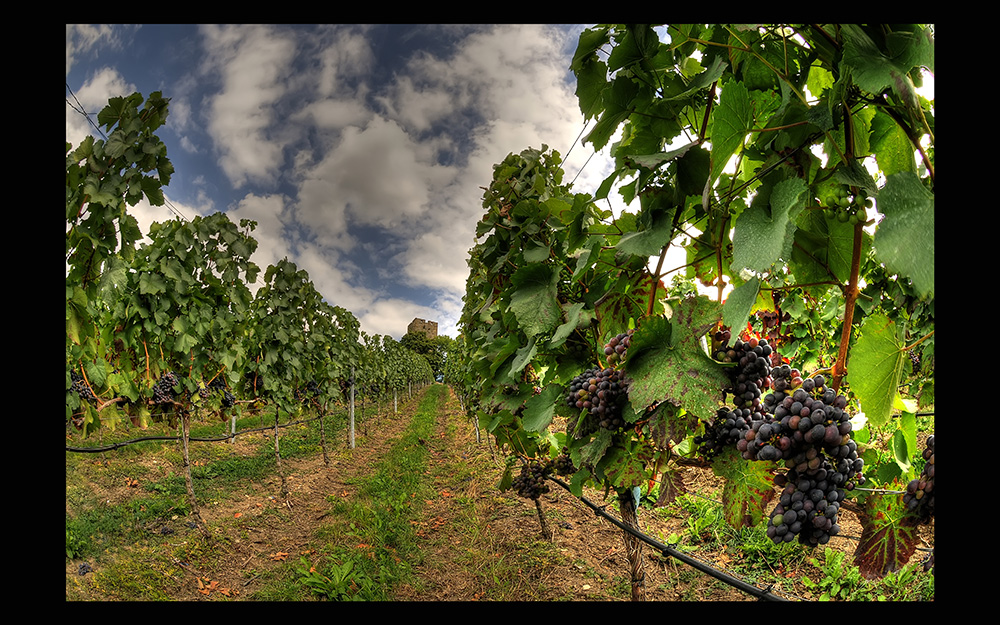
(671, 486)
(888, 537)
(749, 487)
(667, 425)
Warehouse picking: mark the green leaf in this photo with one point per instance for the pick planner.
(152, 284)
(893, 149)
(731, 122)
(761, 237)
(876, 367)
(666, 362)
(539, 410)
(650, 241)
(904, 240)
(640, 42)
(617, 100)
(739, 304)
(522, 357)
(535, 251)
(575, 317)
(534, 301)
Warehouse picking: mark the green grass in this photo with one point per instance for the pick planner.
(96, 526)
(379, 518)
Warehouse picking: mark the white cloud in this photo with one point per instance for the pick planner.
(374, 176)
(253, 62)
(89, 39)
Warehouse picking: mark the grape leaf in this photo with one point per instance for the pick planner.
(761, 237)
(623, 469)
(905, 238)
(888, 537)
(876, 367)
(749, 486)
(671, 486)
(732, 119)
(666, 362)
(534, 302)
(539, 409)
(740, 302)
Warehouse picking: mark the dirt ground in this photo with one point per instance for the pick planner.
(593, 565)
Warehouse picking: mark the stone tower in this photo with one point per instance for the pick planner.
(427, 328)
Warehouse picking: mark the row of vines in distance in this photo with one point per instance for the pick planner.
(794, 164)
(168, 326)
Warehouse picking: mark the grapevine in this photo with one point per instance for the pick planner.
(602, 393)
(531, 482)
(919, 495)
(80, 387)
(163, 390)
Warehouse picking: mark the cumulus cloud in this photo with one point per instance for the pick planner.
(325, 145)
(253, 61)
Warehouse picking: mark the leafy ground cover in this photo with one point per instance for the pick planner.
(412, 513)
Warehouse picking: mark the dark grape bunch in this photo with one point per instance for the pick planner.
(530, 483)
(752, 374)
(809, 430)
(784, 377)
(809, 506)
(919, 495)
(311, 390)
(79, 386)
(563, 464)
(602, 392)
(219, 385)
(729, 426)
(616, 347)
(163, 390)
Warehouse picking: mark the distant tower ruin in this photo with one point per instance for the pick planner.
(427, 328)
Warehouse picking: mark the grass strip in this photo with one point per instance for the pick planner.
(381, 541)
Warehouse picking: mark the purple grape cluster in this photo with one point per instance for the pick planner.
(728, 428)
(530, 483)
(79, 386)
(919, 495)
(163, 390)
(602, 393)
(616, 347)
(809, 431)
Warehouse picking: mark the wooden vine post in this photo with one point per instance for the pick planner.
(351, 428)
(277, 455)
(188, 481)
(633, 545)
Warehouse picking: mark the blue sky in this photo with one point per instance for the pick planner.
(359, 150)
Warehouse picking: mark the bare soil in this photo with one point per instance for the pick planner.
(585, 560)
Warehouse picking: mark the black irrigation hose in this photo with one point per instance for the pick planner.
(762, 595)
(94, 450)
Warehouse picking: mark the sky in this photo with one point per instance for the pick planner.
(360, 150)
